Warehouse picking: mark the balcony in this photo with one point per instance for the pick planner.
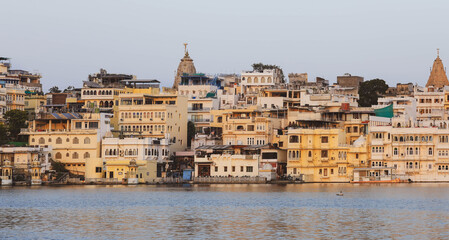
(195, 109)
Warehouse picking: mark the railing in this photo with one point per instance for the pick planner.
(171, 180)
(102, 180)
(229, 180)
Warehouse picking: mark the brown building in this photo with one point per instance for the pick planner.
(348, 80)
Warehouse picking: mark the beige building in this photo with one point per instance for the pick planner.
(156, 116)
(147, 152)
(74, 139)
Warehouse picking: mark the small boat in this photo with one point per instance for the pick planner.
(340, 194)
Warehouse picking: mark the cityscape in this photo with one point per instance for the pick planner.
(224, 119)
(256, 126)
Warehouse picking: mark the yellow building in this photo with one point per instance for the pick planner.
(73, 138)
(320, 154)
(249, 126)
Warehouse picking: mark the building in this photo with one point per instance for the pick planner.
(147, 153)
(347, 80)
(186, 66)
(74, 138)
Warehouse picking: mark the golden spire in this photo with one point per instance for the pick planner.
(185, 47)
(438, 52)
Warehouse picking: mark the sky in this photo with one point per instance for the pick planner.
(66, 41)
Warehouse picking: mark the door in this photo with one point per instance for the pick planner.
(111, 174)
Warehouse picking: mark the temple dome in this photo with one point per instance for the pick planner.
(185, 66)
(438, 77)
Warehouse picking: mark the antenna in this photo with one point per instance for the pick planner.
(438, 52)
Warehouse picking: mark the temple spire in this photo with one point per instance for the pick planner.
(438, 77)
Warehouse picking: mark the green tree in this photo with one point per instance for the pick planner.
(370, 91)
(3, 134)
(54, 89)
(260, 67)
(190, 133)
(15, 120)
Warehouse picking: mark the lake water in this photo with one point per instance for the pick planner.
(311, 211)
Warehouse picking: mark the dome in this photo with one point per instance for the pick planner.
(185, 66)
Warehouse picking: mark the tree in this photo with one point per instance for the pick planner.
(54, 89)
(3, 134)
(260, 67)
(69, 89)
(370, 91)
(15, 120)
(190, 133)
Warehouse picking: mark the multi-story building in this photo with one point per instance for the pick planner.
(251, 126)
(147, 152)
(74, 139)
(161, 116)
(320, 154)
(253, 82)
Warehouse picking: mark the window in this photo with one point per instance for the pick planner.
(86, 155)
(76, 140)
(249, 169)
(395, 151)
(430, 151)
(78, 125)
(233, 168)
(250, 127)
(93, 125)
(87, 140)
(225, 169)
(294, 139)
(324, 153)
(216, 169)
(310, 153)
(41, 140)
(75, 155)
(324, 139)
(58, 140)
(58, 155)
(98, 169)
(332, 171)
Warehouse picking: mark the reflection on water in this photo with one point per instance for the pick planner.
(398, 211)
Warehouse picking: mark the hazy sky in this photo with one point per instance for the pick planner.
(67, 40)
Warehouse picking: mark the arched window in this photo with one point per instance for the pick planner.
(106, 104)
(41, 140)
(101, 103)
(76, 140)
(111, 103)
(310, 153)
(75, 155)
(86, 155)
(58, 155)
(58, 140)
(250, 80)
(86, 140)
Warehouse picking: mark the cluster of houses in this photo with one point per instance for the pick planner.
(118, 128)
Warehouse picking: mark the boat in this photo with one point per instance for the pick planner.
(340, 194)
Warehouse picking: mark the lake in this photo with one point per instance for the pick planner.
(312, 211)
